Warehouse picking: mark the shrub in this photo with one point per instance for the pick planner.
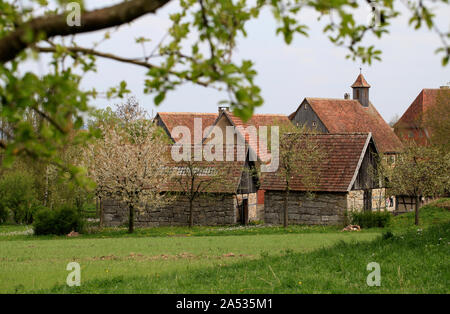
(371, 219)
(17, 195)
(4, 213)
(387, 235)
(59, 221)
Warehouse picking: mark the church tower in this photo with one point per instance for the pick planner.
(361, 90)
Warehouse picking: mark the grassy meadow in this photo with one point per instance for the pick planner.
(255, 259)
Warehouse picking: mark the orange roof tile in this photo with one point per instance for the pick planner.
(413, 115)
(360, 82)
(172, 119)
(257, 120)
(336, 171)
(348, 115)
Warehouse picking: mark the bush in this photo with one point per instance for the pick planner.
(387, 235)
(4, 213)
(370, 219)
(17, 195)
(59, 221)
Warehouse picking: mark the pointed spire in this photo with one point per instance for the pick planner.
(360, 81)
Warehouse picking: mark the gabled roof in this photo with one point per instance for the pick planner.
(412, 118)
(172, 119)
(256, 120)
(348, 115)
(337, 171)
(215, 176)
(360, 82)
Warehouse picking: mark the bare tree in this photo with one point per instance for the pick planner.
(300, 156)
(127, 163)
(393, 120)
(199, 179)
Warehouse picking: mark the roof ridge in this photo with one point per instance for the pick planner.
(327, 98)
(204, 113)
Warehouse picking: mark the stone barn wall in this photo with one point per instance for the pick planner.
(322, 209)
(255, 211)
(355, 200)
(217, 209)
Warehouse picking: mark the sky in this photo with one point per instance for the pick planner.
(309, 67)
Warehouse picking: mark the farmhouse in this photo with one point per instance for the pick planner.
(223, 188)
(411, 125)
(329, 115)
(346, 182)
(243, 131)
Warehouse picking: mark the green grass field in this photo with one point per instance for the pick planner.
(233, 260)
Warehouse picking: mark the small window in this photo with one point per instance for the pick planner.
(314, 123)
(357, 93)
(305, 107)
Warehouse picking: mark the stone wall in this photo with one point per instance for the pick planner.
(322, 209)
(355, 200)
(255, 210)
(217, 209)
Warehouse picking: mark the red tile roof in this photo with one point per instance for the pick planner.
(348, 115)
(412, 119)
(425, 100)
(172, 119)
(216, 176)
(360, 82)
(257, 120)
(336, 172)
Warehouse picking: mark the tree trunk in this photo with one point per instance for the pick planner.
(416, 218)
(286, 195)
(131, 219)
(191, 214)
(100, 206)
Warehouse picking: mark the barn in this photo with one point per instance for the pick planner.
(346, 182)
(222, 199)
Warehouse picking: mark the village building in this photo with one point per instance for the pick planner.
(243, 131)
(333, 115)
(346, 180)
(220, 203)
(169, 121)
(411, 126)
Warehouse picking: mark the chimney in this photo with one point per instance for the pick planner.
(361, 90)
(346, 96)
(223, 108)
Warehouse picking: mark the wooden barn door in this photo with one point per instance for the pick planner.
(244, 215)
(368, 200)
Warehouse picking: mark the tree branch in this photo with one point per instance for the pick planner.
(50, 26)
(116, 58)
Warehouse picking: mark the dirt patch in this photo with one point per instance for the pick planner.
(106, 258)
(183, 255)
